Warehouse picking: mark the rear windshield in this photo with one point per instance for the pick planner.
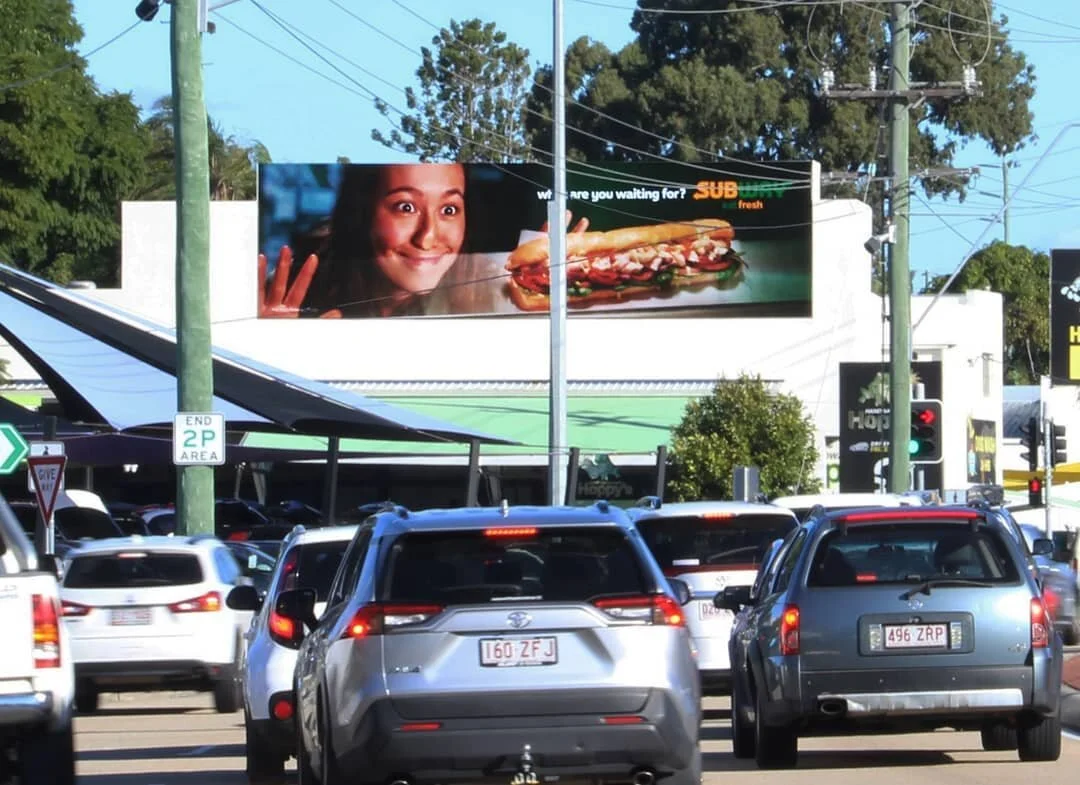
(132, 569)
(84, 523)
(553, 564)
(720, 542)
(906, 552)
(312, 566)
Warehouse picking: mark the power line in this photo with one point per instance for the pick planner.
(52, 72)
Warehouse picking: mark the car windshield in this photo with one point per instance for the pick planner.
(312, 566)
(132, 569)
(85, 523)
(511, 564)
(717, 542)
(911, 552)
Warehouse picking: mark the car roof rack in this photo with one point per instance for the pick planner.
(650, 502)
(602, 505)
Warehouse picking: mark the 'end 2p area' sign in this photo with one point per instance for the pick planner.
(199, 439)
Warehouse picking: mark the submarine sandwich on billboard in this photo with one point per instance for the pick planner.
(633, 262)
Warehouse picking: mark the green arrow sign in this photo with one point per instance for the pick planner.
(13, 448)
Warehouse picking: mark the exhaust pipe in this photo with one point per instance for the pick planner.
(833, 707)
(400, 782)
(644, 777)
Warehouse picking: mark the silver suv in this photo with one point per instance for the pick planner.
(527, 642)
(894, 619)
(309, 559)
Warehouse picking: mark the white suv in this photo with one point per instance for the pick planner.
(309, 559)
(149, 613)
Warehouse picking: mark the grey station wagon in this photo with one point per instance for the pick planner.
(519, 643)
(894, 619)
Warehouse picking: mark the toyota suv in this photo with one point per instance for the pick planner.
(711, 545)
(895, 620)
(523, 642)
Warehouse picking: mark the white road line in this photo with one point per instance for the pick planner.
(197, 751)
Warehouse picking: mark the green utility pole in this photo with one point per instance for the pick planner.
(899, 279)
(195, 373)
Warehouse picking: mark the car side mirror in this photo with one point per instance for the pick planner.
(681, 590)
(1042, 547)
(733, 598)
(298, 605)
(47, 562)
(243, 598)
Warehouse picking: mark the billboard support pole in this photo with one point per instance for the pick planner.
(557, 271)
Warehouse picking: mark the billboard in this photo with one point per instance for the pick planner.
(373, 240)
(982, 449)
(864, 426)
(1065, 316)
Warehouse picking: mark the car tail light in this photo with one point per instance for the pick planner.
(899, 515)
(282, 630)
(1040, 631)
(789, 630)
(1052, 603)
(46, 631)
(420, 726)
(511, 531)
(207, 603)
(717, 516)
(651, 608)
(75, 609)
(290, 570)
(377, 618)
(866, 577)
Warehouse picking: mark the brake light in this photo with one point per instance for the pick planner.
(623, 719)
(75, 609)
(289, 570)
(866, 577)
(420, 726)
(1040, 632)
(1052, 602)
(207, 603)
(282, 630)
(717, 516)
(651, 608)
(900, 515)
(789, 630)
(46, 615)
(377, 618)
(511, 531)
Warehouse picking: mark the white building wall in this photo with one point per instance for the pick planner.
(965, 332)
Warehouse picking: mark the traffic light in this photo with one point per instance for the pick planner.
(1030, 442)
(1035, 492)
(1057, 444)
(925, 443)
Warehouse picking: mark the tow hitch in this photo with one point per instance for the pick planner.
(525, 774)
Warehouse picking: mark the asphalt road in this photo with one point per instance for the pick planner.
(177, 739)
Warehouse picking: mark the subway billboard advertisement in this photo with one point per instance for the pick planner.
(378, 240)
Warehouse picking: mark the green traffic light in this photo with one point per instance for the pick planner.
(913, 447)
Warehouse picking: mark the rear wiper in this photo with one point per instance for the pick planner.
(933, 583)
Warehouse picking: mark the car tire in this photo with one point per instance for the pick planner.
(263, 761)
(87, 697)
(228, 697)
(305, 775)
(997, 736)
(48, 758)
(1071, 636)
(775, 748)
(1040, 738)
(742, 732)
(691, 775)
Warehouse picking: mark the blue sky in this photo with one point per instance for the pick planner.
(254, 92)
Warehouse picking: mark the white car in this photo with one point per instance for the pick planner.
(149, 613)
(309, 560)
(711, 545)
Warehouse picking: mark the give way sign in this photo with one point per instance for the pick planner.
(46, 471)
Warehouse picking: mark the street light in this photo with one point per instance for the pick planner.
(146, 10)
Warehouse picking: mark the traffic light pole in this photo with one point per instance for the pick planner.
(1048, 448)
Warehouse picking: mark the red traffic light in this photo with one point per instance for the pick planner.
(926, 416)
(1034, 486)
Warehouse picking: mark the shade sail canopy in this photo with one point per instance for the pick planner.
(32, 424)
(104, 363)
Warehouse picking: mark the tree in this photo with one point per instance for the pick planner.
(68, 151)
(233, 164)
(472, 90)
(1020, 274)
(743, 423)
(745, 84)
